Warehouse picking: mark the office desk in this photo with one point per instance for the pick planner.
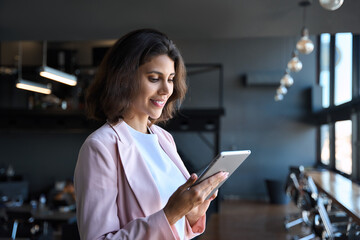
(53, 216)
(340, 189)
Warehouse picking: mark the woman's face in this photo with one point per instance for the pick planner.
(156, 86)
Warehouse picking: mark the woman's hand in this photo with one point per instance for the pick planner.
(191, 200)
(197, 212)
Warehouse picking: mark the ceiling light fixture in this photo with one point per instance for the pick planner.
(281, 90)
(294, 65)
(55, 74)
(29, 85)
(304, 45)
(278, 97)
(32, 86)
(331, 5)
(287, 80)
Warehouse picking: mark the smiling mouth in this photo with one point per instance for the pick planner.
(158, 103)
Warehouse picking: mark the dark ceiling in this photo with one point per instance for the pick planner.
(195, 19)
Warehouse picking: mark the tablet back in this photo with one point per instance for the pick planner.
(227, 161)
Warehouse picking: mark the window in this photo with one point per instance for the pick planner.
(339, 121)
(343, 147)
(325, 68)
(325, 144)
(343, 68)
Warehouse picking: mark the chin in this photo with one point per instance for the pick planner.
(155, 116)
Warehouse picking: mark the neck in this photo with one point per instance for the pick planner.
(140, 126)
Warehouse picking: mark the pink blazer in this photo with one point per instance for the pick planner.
(116, 196)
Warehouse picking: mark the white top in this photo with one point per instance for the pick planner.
(165, 173)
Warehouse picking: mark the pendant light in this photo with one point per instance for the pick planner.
(29, 85)
(305, 45)
(281, 90)
(278, 97)
(331, 5)
(55, 74)
(294, 65)
(287, 80)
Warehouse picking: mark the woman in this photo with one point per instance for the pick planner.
(130, 183)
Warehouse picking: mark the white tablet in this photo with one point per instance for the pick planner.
(227, 161)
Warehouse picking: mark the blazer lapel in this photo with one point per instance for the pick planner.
(137, 172)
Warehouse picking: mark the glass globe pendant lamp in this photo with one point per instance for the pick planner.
(294, 65)
(281, 90)
(287, 80)
(331, 5)
(305, 45)
(278, 97)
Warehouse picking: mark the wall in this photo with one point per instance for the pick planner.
(41, 157)
(253, 120)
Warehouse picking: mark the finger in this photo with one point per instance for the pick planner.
(190, 181)
(214, 195)
(214, 181)
(218, 178)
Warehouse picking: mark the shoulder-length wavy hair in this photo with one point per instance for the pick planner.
(116, 85)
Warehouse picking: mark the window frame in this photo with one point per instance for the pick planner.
(346, 111)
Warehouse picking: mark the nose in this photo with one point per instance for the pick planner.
(166, 87)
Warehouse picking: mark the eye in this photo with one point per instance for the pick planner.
(171, 78)
(153, 79)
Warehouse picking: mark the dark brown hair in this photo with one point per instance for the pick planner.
(116, 85)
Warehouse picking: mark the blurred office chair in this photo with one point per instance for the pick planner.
(324, 220)
(21, 222)
(296, 190)
(23, 225)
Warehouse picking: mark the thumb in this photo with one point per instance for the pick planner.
(191, 180)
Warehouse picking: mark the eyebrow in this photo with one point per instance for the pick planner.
(160, 73)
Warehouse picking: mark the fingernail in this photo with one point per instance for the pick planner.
(193, 176)
(226, 174)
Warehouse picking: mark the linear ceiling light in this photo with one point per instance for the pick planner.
(55, 74)
(58, 76)
(28, 85)
(32, 86)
